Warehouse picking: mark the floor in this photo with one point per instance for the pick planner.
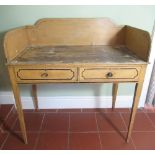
(77, 129)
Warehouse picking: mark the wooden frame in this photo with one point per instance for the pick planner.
(79, 50)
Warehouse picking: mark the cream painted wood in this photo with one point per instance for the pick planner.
(18, 103)
(137, 93)
(76, 51)
(109, 74)
(114, 94)
(34, 95)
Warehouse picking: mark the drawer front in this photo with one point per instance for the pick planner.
(108, 74)
(59, 74)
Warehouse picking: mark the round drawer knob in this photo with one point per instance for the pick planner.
(109, 74)
(44, 75)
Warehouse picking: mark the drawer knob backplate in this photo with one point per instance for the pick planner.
(109, 74)
(44, 75)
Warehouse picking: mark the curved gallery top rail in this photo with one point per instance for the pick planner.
(75, 32)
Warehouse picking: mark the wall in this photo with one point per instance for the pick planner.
(15, 16)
